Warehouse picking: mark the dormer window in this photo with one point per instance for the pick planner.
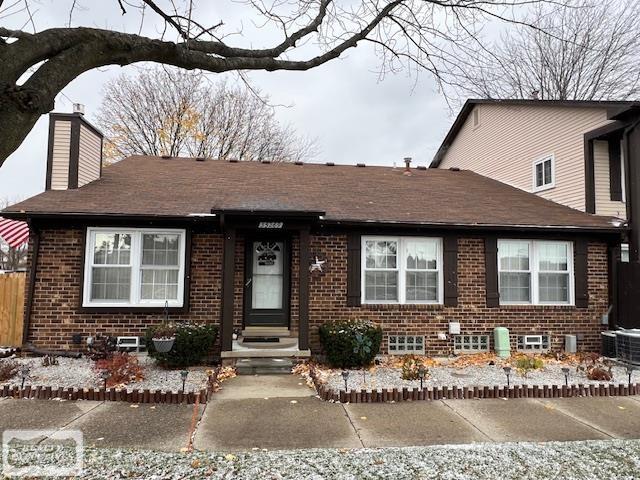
(543, 173)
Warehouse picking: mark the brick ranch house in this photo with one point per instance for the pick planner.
(275, 250)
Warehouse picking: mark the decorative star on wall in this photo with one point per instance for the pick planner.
(317, 265)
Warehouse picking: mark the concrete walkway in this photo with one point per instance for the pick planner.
(281, 412)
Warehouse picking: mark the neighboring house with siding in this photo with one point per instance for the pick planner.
(275, 250)
(583, 154)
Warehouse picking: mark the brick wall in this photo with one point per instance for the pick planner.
(328, 294)
(56, 314)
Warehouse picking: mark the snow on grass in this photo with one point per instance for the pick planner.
(613, 459)
(80, 373)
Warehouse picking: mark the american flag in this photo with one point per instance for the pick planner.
(14, 232)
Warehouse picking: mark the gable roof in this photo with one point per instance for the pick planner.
(154, 187)
(612, 106)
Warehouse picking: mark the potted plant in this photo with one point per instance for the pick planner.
(164, 336)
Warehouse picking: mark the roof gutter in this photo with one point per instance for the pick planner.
(617, 230)
(319, 216)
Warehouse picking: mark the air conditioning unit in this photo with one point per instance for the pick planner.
(628, 346)
(532, 341)
(129, 344)
(608, 344)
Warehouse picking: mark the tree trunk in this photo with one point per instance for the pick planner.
(15, 125)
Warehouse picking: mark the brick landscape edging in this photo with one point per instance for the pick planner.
(146, 395)
(460, 393)
(109, 394)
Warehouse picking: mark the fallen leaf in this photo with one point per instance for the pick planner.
(621, 408)
(230, 457)
(134, 406)
(293, 401)
(363, 418)
(184, 449)
(195, 463)
(548, 406)
(153, 407)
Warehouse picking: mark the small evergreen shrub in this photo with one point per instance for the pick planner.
(524, 365)
(349, 344)
(410, 367)
(193, 341)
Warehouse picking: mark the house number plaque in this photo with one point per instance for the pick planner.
(271, 225)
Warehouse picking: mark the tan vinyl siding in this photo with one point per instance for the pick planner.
(60, 157)
(510, 138)
(604, 204)
(90, 156)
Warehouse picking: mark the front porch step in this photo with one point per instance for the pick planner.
(266, 332)
(280, 342)
(264, 366)
(287, 349)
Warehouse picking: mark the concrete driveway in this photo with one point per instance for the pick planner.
(280, 412)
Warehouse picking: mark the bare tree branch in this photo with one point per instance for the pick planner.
(435, 35)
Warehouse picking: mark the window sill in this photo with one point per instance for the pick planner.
(151, 309)
(402, 306)
(543, 188)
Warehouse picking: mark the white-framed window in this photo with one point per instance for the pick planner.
(401, 270)
(128, 267)
(405, 344)
(535, 272)
(544, 176)
(470, 343)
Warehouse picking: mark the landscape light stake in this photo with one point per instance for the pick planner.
(184, 374)
(345, 377)
(105, 376)
(565, 370)
(507, 372)
(630, 370)
(24, 372)
(422, 372)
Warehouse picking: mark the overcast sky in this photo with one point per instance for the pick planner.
(355, 116)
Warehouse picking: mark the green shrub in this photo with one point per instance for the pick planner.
(350, 344)
(525, 364)
(410, 367)
(193, 341)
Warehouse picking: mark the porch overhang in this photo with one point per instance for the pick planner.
(265, 220)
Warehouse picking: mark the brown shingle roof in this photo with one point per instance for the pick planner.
(153, 186)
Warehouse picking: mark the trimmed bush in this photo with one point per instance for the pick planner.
(193, 341)
(349, 344)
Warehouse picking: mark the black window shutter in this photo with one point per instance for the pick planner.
(450, 267)
(353, 269)
(581, 272)
(615, 170)
(491, 271)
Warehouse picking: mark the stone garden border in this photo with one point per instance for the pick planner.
(451, 393)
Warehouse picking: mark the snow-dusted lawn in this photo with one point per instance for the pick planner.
(468, 376)
(79, 373)
(614, 459)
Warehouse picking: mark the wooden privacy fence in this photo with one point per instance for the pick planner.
(11, 308)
